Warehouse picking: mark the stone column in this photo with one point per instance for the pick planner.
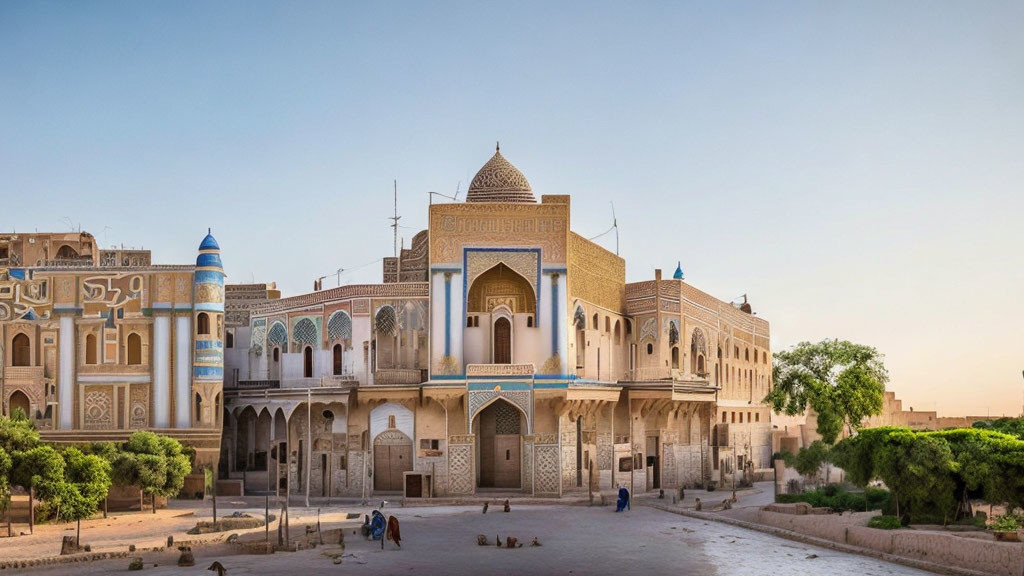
(161, 371)
(66, 381)
(182, 371)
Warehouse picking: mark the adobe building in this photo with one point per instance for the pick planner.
(96, 344)
(501, 352)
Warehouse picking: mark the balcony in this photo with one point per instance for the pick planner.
(338, 380)
(399, 376)
(252, 385)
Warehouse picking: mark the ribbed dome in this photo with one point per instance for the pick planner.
(499, 181)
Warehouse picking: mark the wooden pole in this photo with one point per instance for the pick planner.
(78, 534)
(31, 511)
(266, 516)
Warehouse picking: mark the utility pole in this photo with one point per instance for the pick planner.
(394, 220)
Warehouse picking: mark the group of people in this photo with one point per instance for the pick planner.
(379, 528)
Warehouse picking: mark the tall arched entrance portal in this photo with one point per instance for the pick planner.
(498, 430)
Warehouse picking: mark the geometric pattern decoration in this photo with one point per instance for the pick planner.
(499, 181)
(339, 326)
(506, 418)
(460, 469)
(385, 321)
(546, 476)
(523, 263)
(673, 332)
(278, 335)
(522, 399)
(305, 332)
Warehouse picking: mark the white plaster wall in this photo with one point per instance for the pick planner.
(291, 366)
(183, 371)
(458, 321)
(360, 335)
(162, 371)
(476, 346)
(437, 317)
(238, 357)
(529, 345)
(66, 394)
(404, 420)
(563, 330)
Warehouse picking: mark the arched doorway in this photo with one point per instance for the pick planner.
(17, 400)
(275, 364)
(502, 341)
(337, 359)
(499, 445)
(392, 455)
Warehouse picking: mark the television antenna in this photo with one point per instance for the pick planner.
(615, 227)
(394, 220)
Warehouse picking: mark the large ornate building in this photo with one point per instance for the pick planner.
(501, 351)
(96, 344)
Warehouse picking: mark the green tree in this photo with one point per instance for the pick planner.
(17, 435)
(87, 482)
(810, 459)
(1011, 426)
(156, 464)
(842, 382)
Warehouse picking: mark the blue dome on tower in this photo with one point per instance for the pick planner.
(679, 271)
(209, 243)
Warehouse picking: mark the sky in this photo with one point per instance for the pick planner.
(855, 168)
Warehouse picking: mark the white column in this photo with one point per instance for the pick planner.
(183, 372)
(66, 383)
(161, 372)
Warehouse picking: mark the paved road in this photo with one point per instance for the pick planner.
(576, 540)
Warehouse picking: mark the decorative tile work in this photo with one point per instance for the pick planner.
(460, 468)
(523, 263)
(649, 329)
(456, 226)
(139, 406)
(386, 321)
(306, 332)
(595, 274)
(499, 181)
(697, 343)
(523, 399)
(506, 419)
(547, 474)
(278, 335)
(339, 326)
(99, 408)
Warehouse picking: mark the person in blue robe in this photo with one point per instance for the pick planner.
(623, 501)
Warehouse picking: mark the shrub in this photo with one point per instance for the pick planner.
(836, 498)
(884, 522)
(1006, 523)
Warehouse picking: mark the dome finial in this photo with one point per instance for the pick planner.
(679, 271)
(209, 230)
(497, 146)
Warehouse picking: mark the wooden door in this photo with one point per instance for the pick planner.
(392, 455)
(502, 341)
(507, 461)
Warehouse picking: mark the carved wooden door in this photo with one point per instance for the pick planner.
(502, 341)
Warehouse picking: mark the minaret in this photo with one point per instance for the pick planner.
(208, 335)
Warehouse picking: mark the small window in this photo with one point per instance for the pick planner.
(675, 357)
(725, 415)
(741, 417)
(391, 421)
(134, 349)
(476, 321)
(21, 351)
(650, 348)
(469, 321)
(746, 354)
(757, 417)
(594, 322)
(90, 349)
(735, 351)
(203, 324)
(229, 341)
(529, 321)
(608, 324)
(732, 417)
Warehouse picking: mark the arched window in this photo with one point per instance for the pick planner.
(337, 359)
(608, 324)
(134, 349)
(21, 350)
(746, 354)
(277, 354)
(229, 341)
(675, 357)
(594, 322)
(339, 326)
(700, 364)
(199, 409)
(618, 332)
(650, 348)
(307, 362)
(736, 352)
(203, 324)
(90, 349)
(67, 253)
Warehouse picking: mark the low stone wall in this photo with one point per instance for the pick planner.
(989, 557)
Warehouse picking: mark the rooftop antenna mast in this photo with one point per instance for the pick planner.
(615, 224)
(394, 220)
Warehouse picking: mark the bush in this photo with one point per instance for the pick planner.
(884, 522)
(1006, 523)
(836, 498)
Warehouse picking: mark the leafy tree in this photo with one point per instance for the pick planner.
(1011, 426)
(87, 481)
(810, 459)
(40, 469)
(843, 382)
(156, 464)
(17, 435)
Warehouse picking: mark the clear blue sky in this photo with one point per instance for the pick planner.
(857, 168)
